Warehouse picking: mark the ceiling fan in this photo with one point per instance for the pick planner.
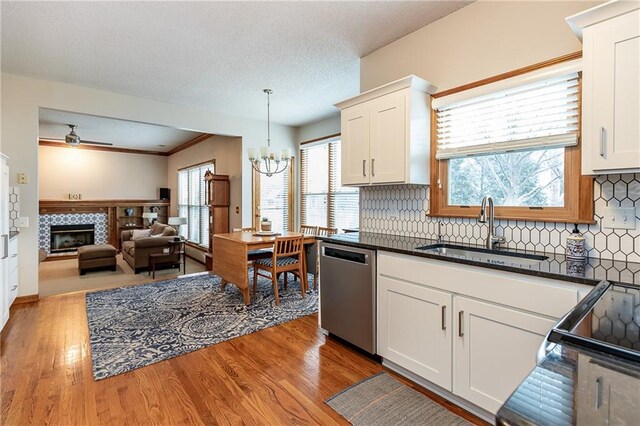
(73, 139)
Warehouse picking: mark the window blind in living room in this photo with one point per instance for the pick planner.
(192, 203)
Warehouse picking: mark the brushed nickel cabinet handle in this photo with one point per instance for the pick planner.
(602, 141)
(444, 316)
(364, 167)
(373, 168)
(14, 287)
(598, 393)
(460, 319)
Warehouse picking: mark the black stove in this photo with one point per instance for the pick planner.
(607, 319)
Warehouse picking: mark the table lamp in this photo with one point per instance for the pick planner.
(177, 222)
(150, 216)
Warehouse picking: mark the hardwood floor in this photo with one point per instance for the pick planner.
(280, 375)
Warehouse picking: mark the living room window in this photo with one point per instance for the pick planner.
(273, 198)
(192, 202)
(516, 139)
(324, 202)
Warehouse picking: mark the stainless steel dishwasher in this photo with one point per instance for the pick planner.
(348, 294)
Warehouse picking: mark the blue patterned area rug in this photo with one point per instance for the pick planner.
(131, 327)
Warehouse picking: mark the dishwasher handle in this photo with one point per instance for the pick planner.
(345, 255)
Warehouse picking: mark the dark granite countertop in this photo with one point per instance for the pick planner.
(561, 390)
(13, 234)
(590, 271)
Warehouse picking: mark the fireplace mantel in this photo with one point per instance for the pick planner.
(92, 206)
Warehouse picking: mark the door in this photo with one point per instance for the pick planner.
(494, 350)
(414, 328)
(388, 138)
(615, 83)
(355, 145)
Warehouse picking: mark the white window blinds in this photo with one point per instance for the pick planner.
(192, 203)
(538, 114)
(324, 201)
(274, 199)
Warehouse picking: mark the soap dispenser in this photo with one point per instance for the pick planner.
(576, 245)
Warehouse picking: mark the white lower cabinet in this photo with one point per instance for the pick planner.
(471, 331)
(13, 269)
(414, 329)
(494, 350)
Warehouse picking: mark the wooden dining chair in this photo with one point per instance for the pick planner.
(287, 257)
(308, 230)
(325, 232)
(253, 255)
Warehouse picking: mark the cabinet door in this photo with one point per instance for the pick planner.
(613, 80)
(355, 145)
(494, 350)
(606, 394)
(388, 146)
(414, 329)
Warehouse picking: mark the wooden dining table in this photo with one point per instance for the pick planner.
(229, 256)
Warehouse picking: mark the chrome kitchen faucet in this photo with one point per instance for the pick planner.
(492, 239)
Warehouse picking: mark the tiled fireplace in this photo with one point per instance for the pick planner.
(66, 227)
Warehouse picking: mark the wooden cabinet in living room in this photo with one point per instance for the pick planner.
(218, 194)
(610, 87)
(385, 134)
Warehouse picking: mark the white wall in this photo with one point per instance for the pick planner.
(99, 174)
(227, 152)
(478, 41)
(21, 98)
(319, 129)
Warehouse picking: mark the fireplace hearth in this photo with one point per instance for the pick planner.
(67, 238)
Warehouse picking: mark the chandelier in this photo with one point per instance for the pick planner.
(269, 162)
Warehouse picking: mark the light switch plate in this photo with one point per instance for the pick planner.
(23, 222)
(619, 218)
(23, 178)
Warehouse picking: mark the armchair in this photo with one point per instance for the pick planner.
(136, 252)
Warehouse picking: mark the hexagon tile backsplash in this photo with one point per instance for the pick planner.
(401, 209)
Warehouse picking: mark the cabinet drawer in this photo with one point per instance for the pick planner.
(545, 296)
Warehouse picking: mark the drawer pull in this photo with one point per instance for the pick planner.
(14, 255)
(14, 287)
(460, 319)
(602, 141)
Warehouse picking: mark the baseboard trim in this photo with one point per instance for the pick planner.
(462, 403)
(60, 257)
(26, 299)
(195, 259)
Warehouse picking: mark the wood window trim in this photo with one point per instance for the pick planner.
(578, 189)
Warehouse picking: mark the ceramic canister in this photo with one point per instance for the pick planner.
(576, 245)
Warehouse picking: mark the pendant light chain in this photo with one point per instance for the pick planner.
(272, 161)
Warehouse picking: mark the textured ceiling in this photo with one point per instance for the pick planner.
(218, 55)
(121, 133)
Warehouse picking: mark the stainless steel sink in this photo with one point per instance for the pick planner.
(483, 255)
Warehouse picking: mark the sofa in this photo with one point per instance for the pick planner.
(136, 251)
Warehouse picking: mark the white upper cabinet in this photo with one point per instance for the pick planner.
(385, 134)
(610, 87)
